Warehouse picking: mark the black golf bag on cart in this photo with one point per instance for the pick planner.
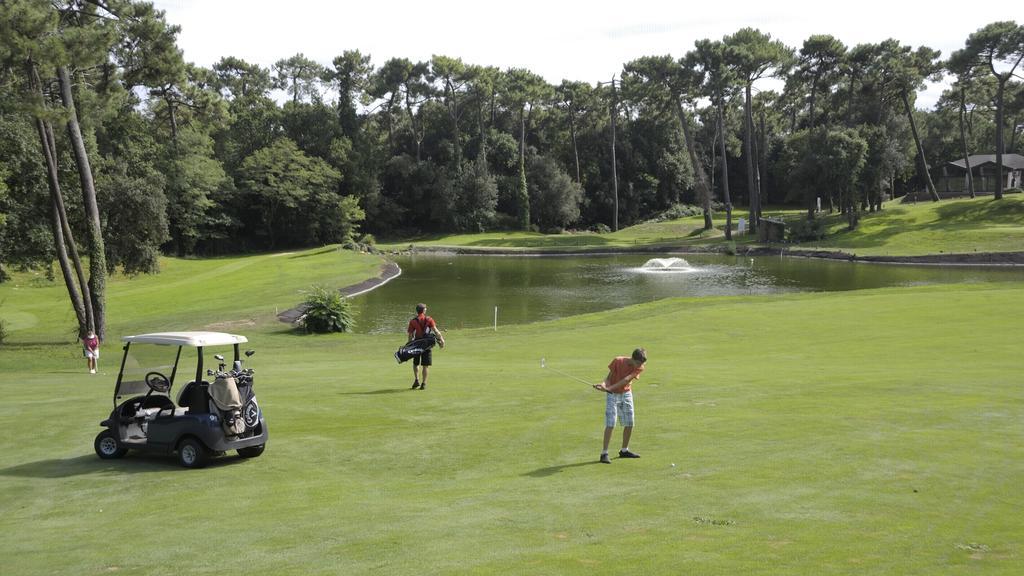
(230, 396)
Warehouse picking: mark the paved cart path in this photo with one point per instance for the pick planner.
(388, 271)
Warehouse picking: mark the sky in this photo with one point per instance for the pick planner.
(574, 40)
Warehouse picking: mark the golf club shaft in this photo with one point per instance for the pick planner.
(570, 376)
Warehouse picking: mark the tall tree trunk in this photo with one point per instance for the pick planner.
(62, 236)
(69, 238)
(417, 134)
(97, 253)
(1013, 135)
(615, 172)
(698, 168)
(725, 173)
(761, 155)
(457, 142)
(524, 192)
(920, 149)
(59, 225)
(1000, 182)
(748, 153)
(963, 142)
(814, 90)
(575, 147)
(172, 111)
(453, 115)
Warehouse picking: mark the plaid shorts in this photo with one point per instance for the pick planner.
(618, 406)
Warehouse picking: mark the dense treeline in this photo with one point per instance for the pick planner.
(109, 140)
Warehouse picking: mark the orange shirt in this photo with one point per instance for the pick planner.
(621, 368)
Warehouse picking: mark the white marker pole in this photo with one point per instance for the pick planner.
(495, 318)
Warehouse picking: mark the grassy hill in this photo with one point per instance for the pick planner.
(950, 226)
(829, 433)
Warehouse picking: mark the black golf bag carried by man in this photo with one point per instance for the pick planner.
(422, 335)
(415, 348)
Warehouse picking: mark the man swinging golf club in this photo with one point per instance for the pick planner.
(622, 371)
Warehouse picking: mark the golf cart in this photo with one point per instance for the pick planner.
(208, 419)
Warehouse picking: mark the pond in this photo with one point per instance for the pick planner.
(463, 291)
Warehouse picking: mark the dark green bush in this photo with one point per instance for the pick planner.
(678, 211)
(326, 310)
(804, 229)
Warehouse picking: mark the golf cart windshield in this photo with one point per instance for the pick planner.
(160, 358)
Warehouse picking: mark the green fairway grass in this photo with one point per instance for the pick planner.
(967, 226)
(862, 432)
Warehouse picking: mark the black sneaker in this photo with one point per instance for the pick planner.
(415, 384)
(423, 386)
(627, 454)
(605, 459)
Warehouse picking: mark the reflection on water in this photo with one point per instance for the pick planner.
(463, 291)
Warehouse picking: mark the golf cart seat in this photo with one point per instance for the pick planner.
(151, 413)
(195, 397)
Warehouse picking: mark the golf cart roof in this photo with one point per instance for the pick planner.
(187, 338)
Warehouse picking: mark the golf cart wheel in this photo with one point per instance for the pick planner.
(251, 451)
(192, 453)
(108, 447)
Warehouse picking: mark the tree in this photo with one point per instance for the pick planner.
(661, 78)
(299, 76)
(135, 206)
(719, 85)
(350, 77)
(903, 73)
(753, 56)
(524, 91)
(237, 78)
(999, 48)
(816, 71)
(455, 78)
(554, 196)
(825, 158)
(278, 181)
(576, 99)
(471, 197)
(194, 179)
(964, 95)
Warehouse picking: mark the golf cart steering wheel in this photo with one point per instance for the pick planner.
(157, 382)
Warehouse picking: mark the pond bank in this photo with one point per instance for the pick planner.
(972, 259)
(388, 271)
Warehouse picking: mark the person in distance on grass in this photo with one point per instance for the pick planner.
(91, 350)
(419, 327)
(622, 371)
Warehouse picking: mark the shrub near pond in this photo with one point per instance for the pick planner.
(804, 229)
(326, 310)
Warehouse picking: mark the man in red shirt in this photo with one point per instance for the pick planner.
(622, 372)
(419, 327)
